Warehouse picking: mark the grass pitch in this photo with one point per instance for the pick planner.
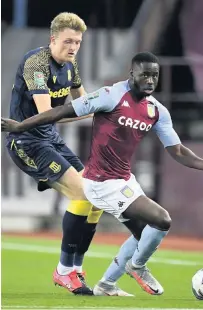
(27, 266)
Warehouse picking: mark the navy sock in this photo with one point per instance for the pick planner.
(72, 234)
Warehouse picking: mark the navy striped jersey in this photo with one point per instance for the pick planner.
(39, 73)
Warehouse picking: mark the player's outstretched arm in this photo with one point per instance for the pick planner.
(44, 118)
(85, 105)
(185, 156)
(170, 140)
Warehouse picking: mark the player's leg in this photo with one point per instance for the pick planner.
(69, 184)
(89, 230)
(158, 221)
(77, 215)
(126, 197)
(107, 284)
(42, 162)
(158, 225)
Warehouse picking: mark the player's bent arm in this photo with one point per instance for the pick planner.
(42, 102)
(170, 140)
(185, 156)
(48, 117)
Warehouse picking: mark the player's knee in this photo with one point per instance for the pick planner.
(76, 193)
(72, 223)
(165, 220)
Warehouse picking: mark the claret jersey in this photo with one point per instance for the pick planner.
(119, 124)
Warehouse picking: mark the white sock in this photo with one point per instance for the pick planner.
(63, 270)
(78, 269)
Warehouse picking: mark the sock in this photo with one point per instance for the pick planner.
(63, 270)
(117, 267)
(89, 230)
(73, 222)
(147, 245)
(78, 269)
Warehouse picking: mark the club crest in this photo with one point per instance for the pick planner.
(151, 110)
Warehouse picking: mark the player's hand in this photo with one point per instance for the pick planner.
(9, 125)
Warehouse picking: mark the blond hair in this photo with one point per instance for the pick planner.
(67, 20)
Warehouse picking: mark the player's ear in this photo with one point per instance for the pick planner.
(131, 72)
(52, 39)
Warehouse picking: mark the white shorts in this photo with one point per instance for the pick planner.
(113, 196)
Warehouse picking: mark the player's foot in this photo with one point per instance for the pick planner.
(144, 278)
(104, 289)
(81, 276)
(72, 283)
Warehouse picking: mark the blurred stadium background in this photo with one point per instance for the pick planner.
(117, 29)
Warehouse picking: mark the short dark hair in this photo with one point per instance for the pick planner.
(145, 57)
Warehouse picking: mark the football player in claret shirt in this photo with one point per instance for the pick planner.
(123, 115)
(44, 79)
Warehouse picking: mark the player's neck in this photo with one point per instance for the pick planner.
(135, 92)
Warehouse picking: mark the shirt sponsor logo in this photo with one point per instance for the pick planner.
(63, 92)
(134, 123)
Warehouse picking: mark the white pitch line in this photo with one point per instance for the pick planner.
(90, 308)
(55, 250)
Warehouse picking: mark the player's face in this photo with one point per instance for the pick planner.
(66, 44)
(145, 77)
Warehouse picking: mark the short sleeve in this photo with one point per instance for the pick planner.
(36, 74)
(76, 80)
(98, 101)
(164, 128)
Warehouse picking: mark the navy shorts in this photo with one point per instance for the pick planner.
(43, 161)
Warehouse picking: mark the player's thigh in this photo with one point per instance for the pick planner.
(145, 209)
(93, 207)
(112, 196)
(70, 185)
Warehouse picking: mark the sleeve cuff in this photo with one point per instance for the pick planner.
(76, 86)
(39, 91)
